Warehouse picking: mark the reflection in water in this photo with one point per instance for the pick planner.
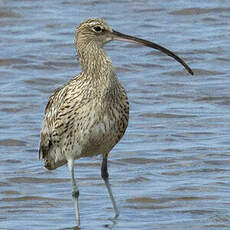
(113, 223)
(171, 170)
(72, 228)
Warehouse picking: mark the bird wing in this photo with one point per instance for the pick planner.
(56, 120)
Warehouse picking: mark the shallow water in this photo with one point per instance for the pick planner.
(171, 169)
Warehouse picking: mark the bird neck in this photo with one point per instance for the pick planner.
(94, 60)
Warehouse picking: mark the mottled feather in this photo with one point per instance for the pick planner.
(86, 117)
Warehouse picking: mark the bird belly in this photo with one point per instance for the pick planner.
(101, 135)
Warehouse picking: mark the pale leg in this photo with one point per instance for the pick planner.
(105, 176)
(75, 191)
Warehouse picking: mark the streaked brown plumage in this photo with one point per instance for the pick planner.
(89, 115)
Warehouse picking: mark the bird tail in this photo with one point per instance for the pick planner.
(51, 156)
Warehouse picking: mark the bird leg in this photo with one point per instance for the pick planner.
(105, 176)
(75, 191)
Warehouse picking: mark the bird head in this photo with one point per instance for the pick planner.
(94, 30)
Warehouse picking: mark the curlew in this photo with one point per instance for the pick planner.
(89, 115)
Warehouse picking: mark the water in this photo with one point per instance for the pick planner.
(171, 169)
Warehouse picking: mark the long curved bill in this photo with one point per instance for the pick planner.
(127, 38)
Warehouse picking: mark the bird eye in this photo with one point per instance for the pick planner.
(97, 28)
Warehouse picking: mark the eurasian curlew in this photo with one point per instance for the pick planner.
(89, 115)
